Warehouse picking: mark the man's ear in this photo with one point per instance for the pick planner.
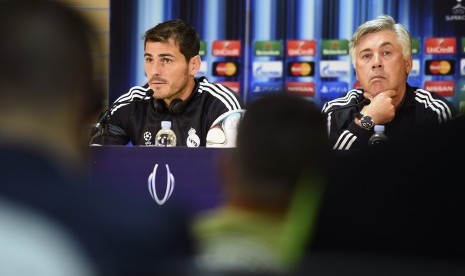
(194, 65)
(408, 65)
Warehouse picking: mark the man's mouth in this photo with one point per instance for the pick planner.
(378, 77)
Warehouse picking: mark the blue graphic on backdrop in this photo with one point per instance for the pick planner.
(332, 89)
(283, 20)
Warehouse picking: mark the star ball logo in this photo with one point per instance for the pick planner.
(457, 12)
(225, 68)
(440, 67)
(301, 69)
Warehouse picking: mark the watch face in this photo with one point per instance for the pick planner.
(366, 122)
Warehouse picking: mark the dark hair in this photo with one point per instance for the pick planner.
(46, 53)
(183, 34)
(281, 138)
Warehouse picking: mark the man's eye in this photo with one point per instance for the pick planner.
(165, 60)
(148, 60)
(366, 56)
(387, 53)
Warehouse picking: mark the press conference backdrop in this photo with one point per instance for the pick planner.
(297, 46)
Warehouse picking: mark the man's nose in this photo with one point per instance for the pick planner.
(155, 69)
(376, 62)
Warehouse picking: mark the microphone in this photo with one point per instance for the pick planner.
(365, 101)
(106, 114)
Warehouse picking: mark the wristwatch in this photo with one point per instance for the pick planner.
(366, 121)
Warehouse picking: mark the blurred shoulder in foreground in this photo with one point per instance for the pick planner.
(272, 182)
(47, 98)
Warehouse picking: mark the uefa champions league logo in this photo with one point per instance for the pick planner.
(169, 185)
(458, 12)
(147, 138)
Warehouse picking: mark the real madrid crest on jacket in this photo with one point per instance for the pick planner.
(138, 119)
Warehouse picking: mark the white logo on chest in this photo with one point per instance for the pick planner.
(193, 140)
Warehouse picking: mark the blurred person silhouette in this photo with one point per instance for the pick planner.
(33, 244)
(47, 98)
(273, 180)
(172, 93)
(396, 213)
(381, 53)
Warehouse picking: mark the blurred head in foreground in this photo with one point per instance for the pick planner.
(281, 138)
(273, 181)
(46, 99)
(47, 94)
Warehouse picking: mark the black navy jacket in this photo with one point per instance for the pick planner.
(138, 122)
(420, 109)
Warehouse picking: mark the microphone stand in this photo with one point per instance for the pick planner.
(105, 116)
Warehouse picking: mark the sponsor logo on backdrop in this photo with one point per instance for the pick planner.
(444, 88)
(415, 46)
(301, 48)
(234, 85)
(334, 68)
(305, 89)
(225, 69)
(203, 48)
(330, 90)
(439, 67)
(301, 69)
(461, 89)
(335, 47)
(203, 69)
(415, 68)
(267, 69)
(334, 87)
(266, 87)
(463, 45)
(226, 48)
(462, 67)
(357, 85)
(440, 45)
(457, 12)
(268, 48)
(153, 189)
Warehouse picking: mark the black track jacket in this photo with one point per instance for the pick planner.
(138, 122)
(419, 109)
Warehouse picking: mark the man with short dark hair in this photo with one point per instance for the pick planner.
(172, 93)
